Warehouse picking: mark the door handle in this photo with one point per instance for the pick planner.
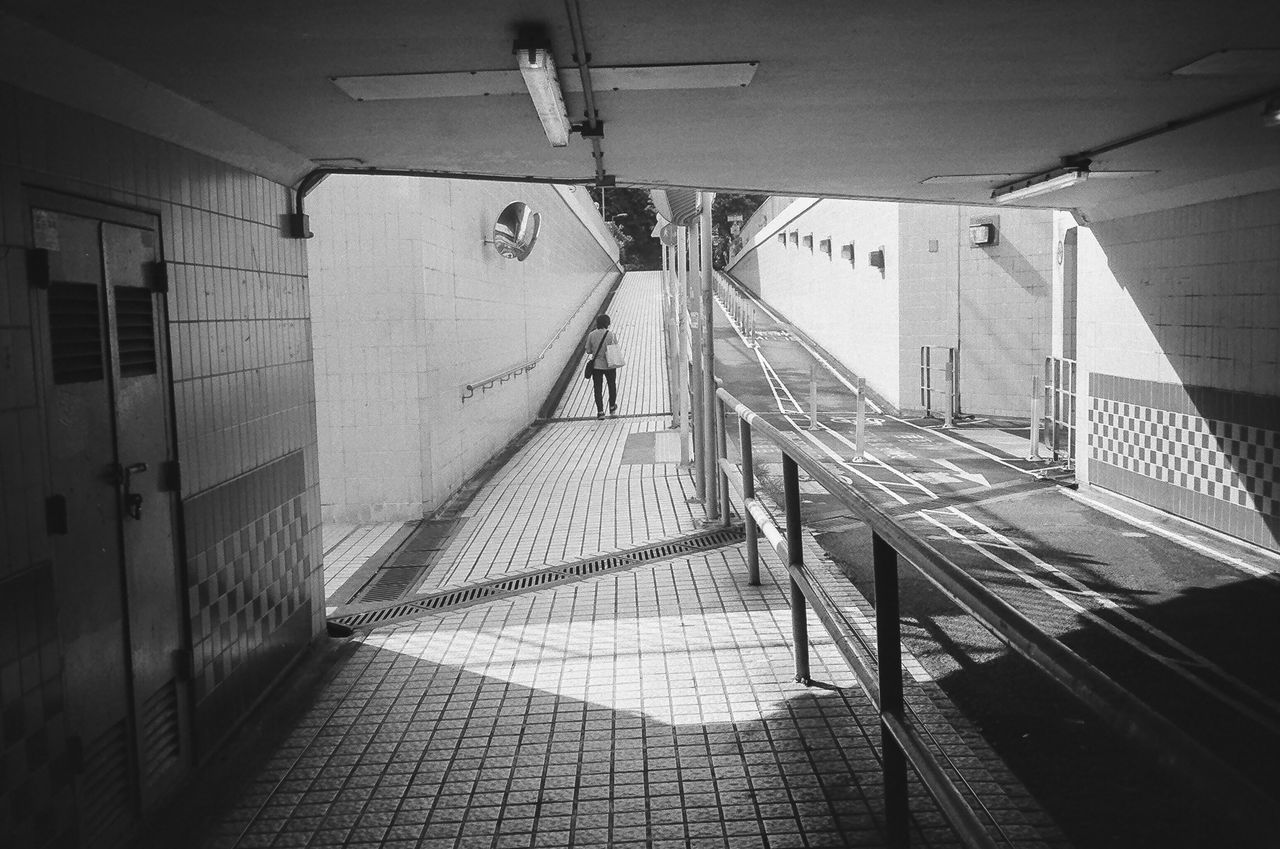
(132, 500)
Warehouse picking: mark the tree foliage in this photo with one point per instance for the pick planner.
(724, 239)
(631, 217)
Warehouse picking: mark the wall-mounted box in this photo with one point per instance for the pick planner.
(782, 239)
(795, 238)
(933, 246)
(825, 246)
(984, 231)
(849, 252)
(807, 242)
(876, 258)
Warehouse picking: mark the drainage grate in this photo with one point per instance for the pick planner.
(526, 581)
(390, 583)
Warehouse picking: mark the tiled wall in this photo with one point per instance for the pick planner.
(995, 300)
(410, 305)
(849, 307)
(1180, 316)
(243, 403)
(1207, 454)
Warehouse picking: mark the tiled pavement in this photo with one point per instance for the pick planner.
(652, 706)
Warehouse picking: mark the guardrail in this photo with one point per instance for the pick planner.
(469, 389)
(902, 744)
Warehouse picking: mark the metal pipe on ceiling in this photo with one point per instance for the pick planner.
(583, 59)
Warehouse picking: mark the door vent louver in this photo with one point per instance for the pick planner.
(106, 804)
(75, 332)
(161, 740)
(135, 331)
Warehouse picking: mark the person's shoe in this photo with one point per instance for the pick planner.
(600, 415)
(613, 411)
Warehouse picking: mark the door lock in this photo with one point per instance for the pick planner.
(124, 477)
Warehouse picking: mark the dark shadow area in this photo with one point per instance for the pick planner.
(1101, 791)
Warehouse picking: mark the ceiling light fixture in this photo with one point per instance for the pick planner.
(1049, 181)
(539, 72)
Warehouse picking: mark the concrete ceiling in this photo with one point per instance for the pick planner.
(848, 99)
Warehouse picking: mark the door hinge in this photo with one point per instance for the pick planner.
(55, 515)
(158, 276)
(183, 664)
(170, 476)
(38, 268)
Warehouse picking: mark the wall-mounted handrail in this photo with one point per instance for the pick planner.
(469, 389)
(1118, 709)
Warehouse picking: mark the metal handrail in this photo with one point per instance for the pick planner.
(1120, 710)
(469, 389)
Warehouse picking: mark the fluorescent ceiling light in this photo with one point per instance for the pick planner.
(509, 81)
(539, 72)
(1050, 181)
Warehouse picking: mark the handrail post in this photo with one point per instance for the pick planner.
(860, 431)
(722, 477)
(889, 663)
(748, 493)
(799, 620)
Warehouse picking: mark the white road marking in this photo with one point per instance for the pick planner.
(1166, 641)
(973, 477)
(1221, 556)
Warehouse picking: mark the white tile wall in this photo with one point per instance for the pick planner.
(241, 350)
(410, 305)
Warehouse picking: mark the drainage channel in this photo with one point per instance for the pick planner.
(540, 578)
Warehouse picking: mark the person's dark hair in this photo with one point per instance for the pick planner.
(602, 321)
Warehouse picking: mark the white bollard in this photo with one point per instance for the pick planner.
(813, 396)
(860, 434)
(1037, 398)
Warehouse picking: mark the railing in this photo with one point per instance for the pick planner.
(902, 744)
(1060, 408)
(469, 389)
(927, 390)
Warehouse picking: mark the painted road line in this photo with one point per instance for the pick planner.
(1188, 655)
(1221, 556)
(871, 405)
(771, 374)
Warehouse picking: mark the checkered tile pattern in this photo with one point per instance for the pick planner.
(35, 791)
(1233, 463)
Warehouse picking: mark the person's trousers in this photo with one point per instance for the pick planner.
(598, 377)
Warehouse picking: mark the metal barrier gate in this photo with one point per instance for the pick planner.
(945, 366)
(1058, 432)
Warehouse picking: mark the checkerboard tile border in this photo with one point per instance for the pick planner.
(1235, 463)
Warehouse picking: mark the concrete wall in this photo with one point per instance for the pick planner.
(992, 302)
(1180, 356)
(249, 561)
(848, 307)
(410, 305)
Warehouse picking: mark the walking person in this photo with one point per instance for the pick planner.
(602, 347)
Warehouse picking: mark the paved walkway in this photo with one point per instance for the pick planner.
(649, 706)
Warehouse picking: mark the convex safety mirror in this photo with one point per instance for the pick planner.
(516, 231)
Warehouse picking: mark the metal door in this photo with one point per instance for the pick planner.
(110, 508)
